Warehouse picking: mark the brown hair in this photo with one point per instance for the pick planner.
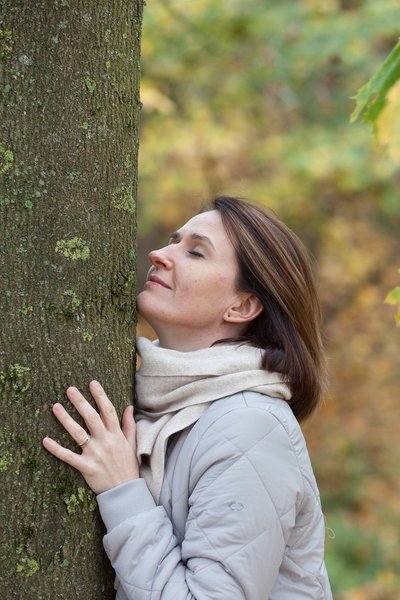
(275, 266)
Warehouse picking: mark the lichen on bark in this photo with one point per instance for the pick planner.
(73, 248)
(69, 91)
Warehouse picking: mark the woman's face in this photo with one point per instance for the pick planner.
(191, 283)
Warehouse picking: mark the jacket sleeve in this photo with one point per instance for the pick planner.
(244, 488)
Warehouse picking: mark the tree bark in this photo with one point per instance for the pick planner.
(68, 157)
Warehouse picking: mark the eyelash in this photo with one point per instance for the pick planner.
(193, 253)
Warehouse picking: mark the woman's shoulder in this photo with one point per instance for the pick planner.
(252, 410)
(259, 427)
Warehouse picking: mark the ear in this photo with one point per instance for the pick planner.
(245, 309)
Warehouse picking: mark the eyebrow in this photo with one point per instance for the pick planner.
(176, 236)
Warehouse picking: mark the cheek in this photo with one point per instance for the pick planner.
(224, 286)
(226, 281)
(192, 288)
(209, 292)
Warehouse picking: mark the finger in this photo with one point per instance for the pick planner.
(70, 425)
(107, 410)
(129, 426)
(86, 410)
(67, 456)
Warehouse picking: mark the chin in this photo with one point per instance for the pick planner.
(142, 305)
(146, 309)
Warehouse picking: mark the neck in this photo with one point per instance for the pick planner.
(185, 344)
(185, 340)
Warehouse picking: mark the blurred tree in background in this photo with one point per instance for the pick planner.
(253, 99)
(378, 101)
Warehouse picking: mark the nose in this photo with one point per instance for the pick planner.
(160, 258)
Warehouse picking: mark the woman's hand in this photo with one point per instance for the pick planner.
(108, 455)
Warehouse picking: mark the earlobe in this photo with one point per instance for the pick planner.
(246, 309)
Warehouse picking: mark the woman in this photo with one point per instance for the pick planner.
(217, 500)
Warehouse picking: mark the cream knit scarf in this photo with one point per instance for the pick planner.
(173, 390)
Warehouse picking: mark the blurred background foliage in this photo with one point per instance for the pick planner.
(253, 99)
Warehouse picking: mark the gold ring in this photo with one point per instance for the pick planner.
(85, 441)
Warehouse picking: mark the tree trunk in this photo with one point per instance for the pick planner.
(68, 156)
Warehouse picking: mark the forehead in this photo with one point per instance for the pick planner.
(207, 223)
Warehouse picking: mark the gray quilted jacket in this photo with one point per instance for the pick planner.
(239, 515)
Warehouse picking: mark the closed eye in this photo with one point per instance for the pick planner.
(195, 253)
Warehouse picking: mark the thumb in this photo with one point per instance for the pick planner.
(129, 426)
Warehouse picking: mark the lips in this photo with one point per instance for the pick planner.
(155, 279)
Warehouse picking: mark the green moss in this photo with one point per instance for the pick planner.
(28, 204)
(64, 487)
(74, 248)
(6, 42)
(73, 175)
(132, 255)
(90, 84)
(31, 463)
(6, 460)
(28, 532)
(15, 377)
(28, 566)
(72, 503)
(128, 162)
(122, 199)
(87, 336)
(75, 301)
(27, 310)
(6, 159)
(79, 500)
(6, 201)
(22, 439)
